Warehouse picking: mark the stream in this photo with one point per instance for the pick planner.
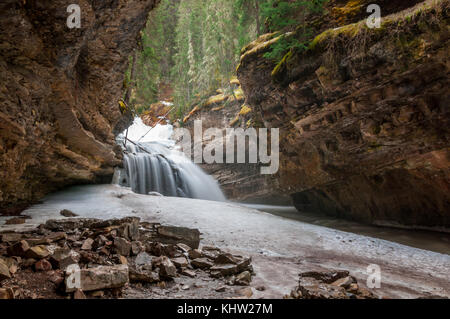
(428, 240)
(281, 248)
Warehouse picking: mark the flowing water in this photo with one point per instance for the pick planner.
(152, 163)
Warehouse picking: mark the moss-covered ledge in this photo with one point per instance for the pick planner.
(402, 29)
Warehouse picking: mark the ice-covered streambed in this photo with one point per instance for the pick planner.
(281, 248)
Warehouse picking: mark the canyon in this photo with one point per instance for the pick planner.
(363, 112)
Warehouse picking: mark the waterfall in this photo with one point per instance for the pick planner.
(155, 165)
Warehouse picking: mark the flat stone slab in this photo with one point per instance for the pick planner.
(102, 277)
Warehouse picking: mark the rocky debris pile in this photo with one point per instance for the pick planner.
(98, 257)
(329, 285)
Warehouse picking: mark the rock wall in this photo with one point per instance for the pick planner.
(59, 92)
(364, 115)
(239, 182)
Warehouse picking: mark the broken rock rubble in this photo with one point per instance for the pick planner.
(329, 285)
(85, 257)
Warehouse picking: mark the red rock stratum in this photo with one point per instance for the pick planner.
(59, 92)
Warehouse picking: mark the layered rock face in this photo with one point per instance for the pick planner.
(241, 182)
(59, 92)
(364, 116)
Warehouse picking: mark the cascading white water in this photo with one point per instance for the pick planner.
(154, 165)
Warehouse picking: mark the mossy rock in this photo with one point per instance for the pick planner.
(279, 71)
(245, 109)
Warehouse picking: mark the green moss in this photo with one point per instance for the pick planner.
(234, 121)
(282, 64)
(349, 11)
(245, 109)
(350, 30)
(374, 146)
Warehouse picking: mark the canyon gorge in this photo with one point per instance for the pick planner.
(363, 114)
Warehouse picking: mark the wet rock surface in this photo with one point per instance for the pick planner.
(363, 116)
(59, 90)
(89, 258)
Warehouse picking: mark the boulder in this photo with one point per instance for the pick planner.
(353, 288)
(167, 269)
(225, 258)
(64, 257)
(4, 270)
(28, 262)
(188, 272)
(329, 285)
(15, 221)
(11, 237)
(344, 282)
(67, 213)
(18, 249)
(122, 246)
(310, 288)
(195, 253)
(246, 292)
(143, 275)
(180, 262)
(69, 224)
(123, 260)
(227, 264)
(87, 244)
(243, 279)
(102, 277)
(244, 263)
(43, 265)
(175, 235)
(158, 249)
(97, 294)
(6, 293)
(12, 263)
(224, 270)
(183, 247)
(143, 259)
(50, 238)
(202, 263)
(127, 227)
(79, 294)
(137, 247)
(37, 252)
(327, 277)
(132, 230)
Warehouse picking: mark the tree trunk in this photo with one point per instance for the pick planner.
(132, 79)
(257, 16)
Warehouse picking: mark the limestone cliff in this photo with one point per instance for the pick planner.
(364, 113)
(59, 92)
